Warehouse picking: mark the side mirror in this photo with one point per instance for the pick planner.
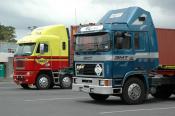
(41, 48)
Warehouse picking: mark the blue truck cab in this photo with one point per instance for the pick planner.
(115, 56)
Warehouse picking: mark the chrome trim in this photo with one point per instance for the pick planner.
(93, 87)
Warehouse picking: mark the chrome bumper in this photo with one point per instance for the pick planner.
(91, 85)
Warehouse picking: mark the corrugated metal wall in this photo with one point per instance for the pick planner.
(6, 57)
(7, 47)
(166, 45)
(74, 30)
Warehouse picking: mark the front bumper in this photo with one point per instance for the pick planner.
(91, 85)
(24, 77)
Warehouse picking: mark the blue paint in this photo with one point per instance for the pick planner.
(128, 21)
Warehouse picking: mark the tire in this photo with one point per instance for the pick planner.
(51, 86)
(163, 92)
(25, 86)
(43, 82)
(51, 83)
(134, 91)
(66, 82)
(98, 97)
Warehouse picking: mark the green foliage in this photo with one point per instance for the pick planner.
(7, 33)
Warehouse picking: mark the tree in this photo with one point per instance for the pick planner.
(7, 33)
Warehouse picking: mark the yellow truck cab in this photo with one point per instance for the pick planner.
(41, 56)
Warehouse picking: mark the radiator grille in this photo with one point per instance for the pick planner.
(92, 70)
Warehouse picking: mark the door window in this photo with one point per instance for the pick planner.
(139, 40)
(122, 40)
(45, 48)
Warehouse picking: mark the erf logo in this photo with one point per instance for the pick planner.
(123, 58)
(98, 70)
(42, 61)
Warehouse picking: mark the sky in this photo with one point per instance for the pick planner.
(24, 13)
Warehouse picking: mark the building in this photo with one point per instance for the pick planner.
(6, 59)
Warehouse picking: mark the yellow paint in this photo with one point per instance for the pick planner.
(167, 67)
(52, 35)
(49, 59)
(59, 59)
(30, 59)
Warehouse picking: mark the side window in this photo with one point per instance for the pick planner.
(139, 40)
(122, 40)
(45, 48)
(136, 40)
(64, 45)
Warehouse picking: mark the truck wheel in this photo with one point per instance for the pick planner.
(98, 97)
(134, 91)
(65, 82)
(25, 86)
(51, 85)
(43, 82)
(163, 92)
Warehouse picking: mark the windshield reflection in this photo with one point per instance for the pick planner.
(97, 42)
(25, 49)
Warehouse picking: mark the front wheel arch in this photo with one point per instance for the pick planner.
(142, 77)
(134, 87)
(48, 74)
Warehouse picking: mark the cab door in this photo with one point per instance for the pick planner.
(123, 54)
(142, 51)
(43, 56)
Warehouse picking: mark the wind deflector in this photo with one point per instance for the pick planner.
(125, 16)
(113, 16)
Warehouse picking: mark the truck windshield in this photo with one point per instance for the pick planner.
(25, 49)
(93, 42)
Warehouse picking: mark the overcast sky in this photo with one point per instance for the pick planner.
(24, 13)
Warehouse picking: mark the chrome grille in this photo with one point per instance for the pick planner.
(89, 70)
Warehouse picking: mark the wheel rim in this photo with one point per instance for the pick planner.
(43, 82)
(134, 91)
(66, 82)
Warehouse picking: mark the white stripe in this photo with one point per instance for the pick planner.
(137, 110)
(146, 55)
(93, 57)
(52, 99)
(115, 57)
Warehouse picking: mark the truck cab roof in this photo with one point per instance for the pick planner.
(41, 34)
(131, 18)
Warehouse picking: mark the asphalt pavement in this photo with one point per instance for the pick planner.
(15, 101)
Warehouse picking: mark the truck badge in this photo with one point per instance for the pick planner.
(98, 70)
(42, 61)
